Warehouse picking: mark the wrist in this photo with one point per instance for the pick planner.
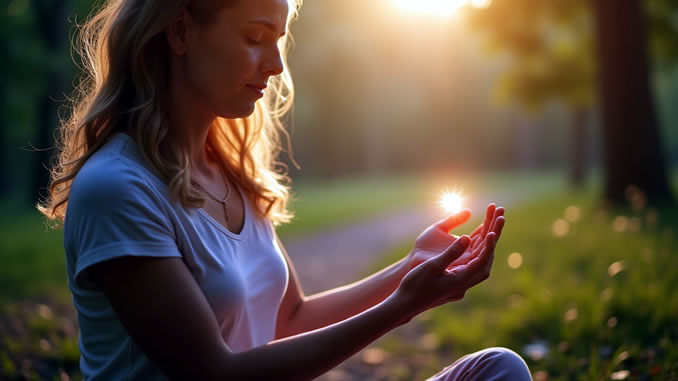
(399, 304)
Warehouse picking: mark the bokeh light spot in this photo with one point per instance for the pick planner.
(572, 213)
(620, 224)
(571, 314)
(560, 227)
(374, 356)
(612, 322)
(615, 268)
(540, 375)
(620, 375)
(45, 345)
(44, 311)
(536, 351)
(515, 260)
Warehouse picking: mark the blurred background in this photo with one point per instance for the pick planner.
(564, 111)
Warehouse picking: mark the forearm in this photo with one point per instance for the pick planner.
(328, 307)
(308, 355)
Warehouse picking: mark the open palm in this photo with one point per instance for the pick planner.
(436, 238)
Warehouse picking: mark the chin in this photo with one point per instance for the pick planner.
(238, 113)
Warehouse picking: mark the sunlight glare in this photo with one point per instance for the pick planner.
(452, 202)
(439, 7)
(481, 3)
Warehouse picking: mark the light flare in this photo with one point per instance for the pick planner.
(452, 202)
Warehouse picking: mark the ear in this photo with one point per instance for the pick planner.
(176, 32)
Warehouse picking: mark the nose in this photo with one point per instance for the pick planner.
(273, 64)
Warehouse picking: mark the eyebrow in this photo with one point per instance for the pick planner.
(267, 24)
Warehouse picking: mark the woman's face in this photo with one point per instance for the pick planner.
(228, 62)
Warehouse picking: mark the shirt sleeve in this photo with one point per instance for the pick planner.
(113, 212)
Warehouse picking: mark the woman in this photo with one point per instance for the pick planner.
(166, 169)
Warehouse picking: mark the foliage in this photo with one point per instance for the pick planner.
(552, 44)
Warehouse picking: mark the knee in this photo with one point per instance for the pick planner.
(505, 364)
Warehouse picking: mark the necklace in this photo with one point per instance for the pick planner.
(222, 201)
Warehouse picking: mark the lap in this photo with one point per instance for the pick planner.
(491, 364)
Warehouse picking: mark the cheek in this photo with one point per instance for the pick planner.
(216, 70)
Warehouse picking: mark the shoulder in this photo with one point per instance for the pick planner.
(111, 176)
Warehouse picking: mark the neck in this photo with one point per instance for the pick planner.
(189, 121)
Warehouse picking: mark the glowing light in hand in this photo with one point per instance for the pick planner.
(452, 202)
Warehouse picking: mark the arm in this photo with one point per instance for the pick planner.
(173, 324)
(299, 313)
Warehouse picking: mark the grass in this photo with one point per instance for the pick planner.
(600, 300)
(33, 262)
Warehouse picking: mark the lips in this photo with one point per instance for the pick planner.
(257, 88)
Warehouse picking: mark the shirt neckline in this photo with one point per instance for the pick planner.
(222, 228)
(201, 211)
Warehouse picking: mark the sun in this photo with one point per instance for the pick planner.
(452, 202)
(438, 7)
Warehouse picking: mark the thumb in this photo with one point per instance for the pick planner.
(450, 222)
(453, 252)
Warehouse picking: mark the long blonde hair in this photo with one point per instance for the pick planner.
(124, 61)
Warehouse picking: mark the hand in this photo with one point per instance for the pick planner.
(436, 238)
(437, 282)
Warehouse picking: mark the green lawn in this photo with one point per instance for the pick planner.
(602, 298)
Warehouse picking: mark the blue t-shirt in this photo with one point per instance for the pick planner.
(119, 207)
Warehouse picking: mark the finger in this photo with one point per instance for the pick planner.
(497, 213)
(476, 237)
(453, 252)
(498, 227)
(485, 255)
(480, 276)
(488, 219)
(475, 241)
(450, 222)
(478, 267)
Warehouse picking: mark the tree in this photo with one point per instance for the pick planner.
(633, 152)
(551, 43)
(554, 43)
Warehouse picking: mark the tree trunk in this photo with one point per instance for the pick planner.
(633, 153)
(53, 26)
(579, 147)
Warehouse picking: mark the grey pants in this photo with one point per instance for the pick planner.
(491, 364)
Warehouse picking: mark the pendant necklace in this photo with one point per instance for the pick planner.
(222, 201)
